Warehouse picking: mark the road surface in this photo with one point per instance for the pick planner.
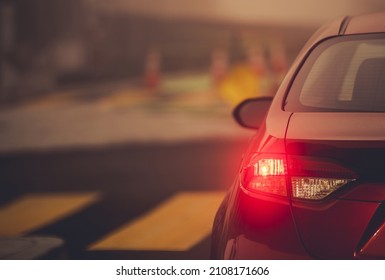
(122, 174)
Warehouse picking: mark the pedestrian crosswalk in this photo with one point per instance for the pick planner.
(37, 210)
(176, 224)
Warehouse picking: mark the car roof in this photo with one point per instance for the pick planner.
(369, 23)
(361, 24)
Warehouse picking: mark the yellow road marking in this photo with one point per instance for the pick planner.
(176, 225)
(36, 210)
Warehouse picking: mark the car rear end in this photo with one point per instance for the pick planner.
(312, 184)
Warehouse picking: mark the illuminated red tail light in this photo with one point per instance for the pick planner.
(303, 177)
(266, 174)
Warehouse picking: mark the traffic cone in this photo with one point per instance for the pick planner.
(152, 70)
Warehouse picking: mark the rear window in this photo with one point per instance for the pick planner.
(345, 73)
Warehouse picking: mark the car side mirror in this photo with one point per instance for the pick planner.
(251, 112)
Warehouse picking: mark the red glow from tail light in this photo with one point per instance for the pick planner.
(269, 167)
(307, 178)
(266, 174)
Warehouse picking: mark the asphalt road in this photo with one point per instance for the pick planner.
(121, 174)
(130, 180)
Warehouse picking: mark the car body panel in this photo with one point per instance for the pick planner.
(333, 229)
(375, 246)
(337, 126)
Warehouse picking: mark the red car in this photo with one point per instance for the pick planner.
(312, 182)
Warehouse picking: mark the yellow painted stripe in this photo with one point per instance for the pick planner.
(36, 210)
(176, 225)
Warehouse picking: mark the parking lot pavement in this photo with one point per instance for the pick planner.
(120, 114)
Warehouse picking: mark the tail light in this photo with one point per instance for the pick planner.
(303, 177)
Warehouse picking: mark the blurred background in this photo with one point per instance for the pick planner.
(46, 44)
(115, 116)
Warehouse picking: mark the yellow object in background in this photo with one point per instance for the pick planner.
(243, 82)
